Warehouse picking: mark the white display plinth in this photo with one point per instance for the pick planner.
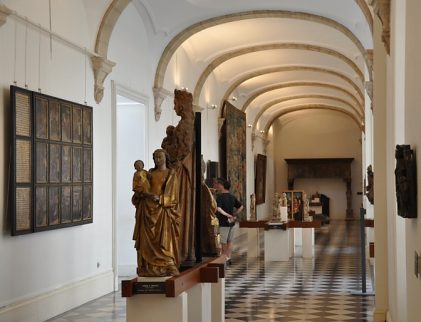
(253, 249)
(156, 308)
(218, 301)
(291, 242)
(277, 245)
(198, 299)
(308, 242)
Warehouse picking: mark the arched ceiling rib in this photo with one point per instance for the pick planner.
(311, 107)
(270, 60)
(262, 91)
(236, 83)
(176, 42)
(297, 97)
(235, 53)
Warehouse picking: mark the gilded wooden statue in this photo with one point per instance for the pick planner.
(179, 145)
(157, 228)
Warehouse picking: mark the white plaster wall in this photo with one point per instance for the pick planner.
(36, 263)
(319, 134)
(412, 137)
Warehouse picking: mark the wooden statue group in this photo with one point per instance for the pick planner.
(164, 201)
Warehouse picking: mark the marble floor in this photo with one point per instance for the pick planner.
(318, 289)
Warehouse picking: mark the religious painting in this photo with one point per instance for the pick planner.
(41, 206)
(297, 205)
(54, 121)
(55, 152)
(77, 164)
(87, 126)
(51, 151)
(41, 161)
(260, 179)
(66, 122)
(77, 124)
(66, 164)
(406, 181)
(77, 203)
(232, 147)
(41, 118)
(87, 202)
(53, 205)
(66, 204)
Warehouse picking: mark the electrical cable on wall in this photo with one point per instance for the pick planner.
(39, 60)
(26, 53)
(84, 57)
(14, 62)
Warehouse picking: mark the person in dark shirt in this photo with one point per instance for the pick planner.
(227, 209)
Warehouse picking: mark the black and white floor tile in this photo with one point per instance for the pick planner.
(316, 290)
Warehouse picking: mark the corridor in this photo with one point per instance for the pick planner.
(316, 290)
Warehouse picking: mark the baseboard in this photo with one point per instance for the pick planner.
(56, 302)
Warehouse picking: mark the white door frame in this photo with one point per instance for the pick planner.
(118, 89)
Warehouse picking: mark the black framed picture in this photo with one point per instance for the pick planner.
(52, 168)
(260, 179)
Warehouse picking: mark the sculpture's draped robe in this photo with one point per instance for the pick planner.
(157, 227)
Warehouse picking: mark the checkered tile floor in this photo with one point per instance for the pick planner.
(298, 290)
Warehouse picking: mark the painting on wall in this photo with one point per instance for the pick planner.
(260, 179)
(52, 161)
(232, 147)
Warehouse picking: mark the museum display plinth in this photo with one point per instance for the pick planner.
(253, 239)
(277, 242)
(196, 294)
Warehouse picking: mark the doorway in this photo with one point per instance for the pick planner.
(130, 128)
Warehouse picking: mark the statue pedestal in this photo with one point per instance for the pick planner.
(253, 239)
(156, 308)
(196, 294)
(277, 243)
(308, 242)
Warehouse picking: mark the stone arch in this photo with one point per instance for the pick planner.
(312, 107)
(290, 84)
(290, 98)
(265, 71)
(160, 93)
(243, 51)
(101, 65)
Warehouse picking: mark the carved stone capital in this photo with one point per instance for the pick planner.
(382, 9)
(159, 95)
(4, 13)
(102, 67)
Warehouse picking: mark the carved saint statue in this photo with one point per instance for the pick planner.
(157, 228)
(276, 212)
(253, 216)
(284, 200)
(406, 181)
(179, 145)
(306, 207)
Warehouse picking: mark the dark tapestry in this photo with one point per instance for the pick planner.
(232, 151)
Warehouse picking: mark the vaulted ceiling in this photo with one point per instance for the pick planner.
(270, 58)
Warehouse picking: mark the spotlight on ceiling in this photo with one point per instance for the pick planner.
(249, 125)
(234, 98)
(213, 106)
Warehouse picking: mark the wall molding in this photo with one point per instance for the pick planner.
(57, 301)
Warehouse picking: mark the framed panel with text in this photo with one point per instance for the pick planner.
(52, 164)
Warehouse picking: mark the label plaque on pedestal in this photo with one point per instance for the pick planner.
(149, 288)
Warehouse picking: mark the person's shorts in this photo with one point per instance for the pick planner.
(226, 234)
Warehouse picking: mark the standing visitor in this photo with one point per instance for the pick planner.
(227, 209)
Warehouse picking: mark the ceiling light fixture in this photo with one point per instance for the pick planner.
(234, 98)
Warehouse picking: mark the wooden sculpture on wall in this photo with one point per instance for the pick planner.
(406, 181)
(369, 192)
